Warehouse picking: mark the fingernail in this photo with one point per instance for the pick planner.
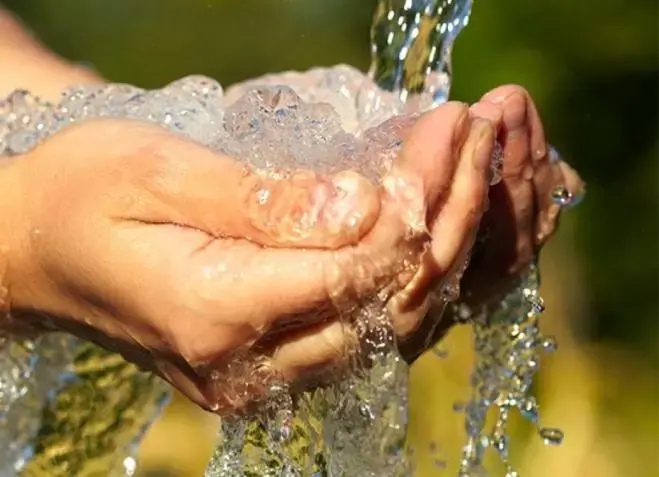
(484, 147)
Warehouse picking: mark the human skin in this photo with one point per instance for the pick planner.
(147, 244)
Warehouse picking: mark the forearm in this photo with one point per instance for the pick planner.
(26, 64)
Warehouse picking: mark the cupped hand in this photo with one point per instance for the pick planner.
(216, 276)
(523, 211)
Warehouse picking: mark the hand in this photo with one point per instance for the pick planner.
(522, 215)
(157, 248)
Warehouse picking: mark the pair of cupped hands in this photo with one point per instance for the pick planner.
(170, 254)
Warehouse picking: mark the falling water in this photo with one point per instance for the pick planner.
(412, 43)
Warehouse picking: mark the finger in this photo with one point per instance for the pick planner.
(195, 187)
(489, 111)
(313, 350)
(519, 109)
(511, 220)
(407, 322)
(454, 228)
(456, 224)
(421, 176)
(530, 144)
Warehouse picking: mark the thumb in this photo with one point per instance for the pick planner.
(226, 198)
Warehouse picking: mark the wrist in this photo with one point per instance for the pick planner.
(26, 64)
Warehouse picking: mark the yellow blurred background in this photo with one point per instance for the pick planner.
(592, 67)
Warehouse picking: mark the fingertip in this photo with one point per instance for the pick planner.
(457, 221)
(489, 111)
(352, 209)
(312, 211)
(520, 112)
(452, 116)
(428, 159)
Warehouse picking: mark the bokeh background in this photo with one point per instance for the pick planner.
(592, 68)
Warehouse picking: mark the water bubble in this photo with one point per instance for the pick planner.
(130, 466)
(554, 155)
(497, 164)
(500, 444)
(551, 436)
(21, 142)
(561, 196)
(549, 344)
(529, 409)
(536, 302)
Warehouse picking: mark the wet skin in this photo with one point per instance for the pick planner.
(152, 246)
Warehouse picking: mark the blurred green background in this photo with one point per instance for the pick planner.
(592, 68)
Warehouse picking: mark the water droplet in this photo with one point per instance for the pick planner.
(262, 196)
(529, 409)
(536, 302)
(500, 444)
(497, 164)
(130, 465)
(551, 436)
(554, 156)
(561, 196)
(549, 344)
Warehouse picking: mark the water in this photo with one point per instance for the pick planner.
(411, 46)
(52, 385)
(508, 344)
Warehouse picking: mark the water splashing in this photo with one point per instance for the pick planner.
(507, 342)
